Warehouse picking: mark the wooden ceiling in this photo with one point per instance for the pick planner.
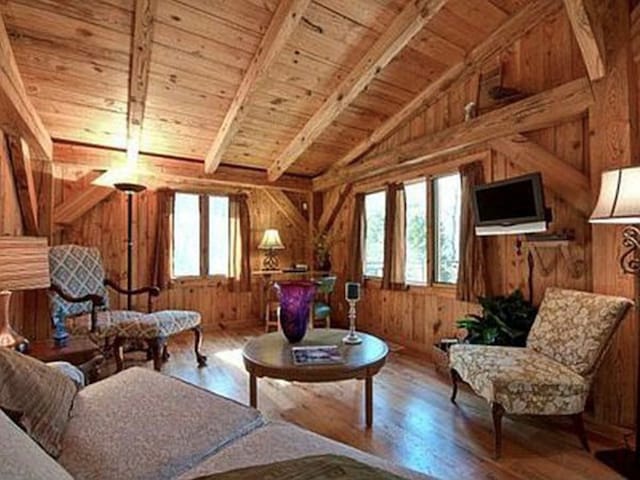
(74, 57)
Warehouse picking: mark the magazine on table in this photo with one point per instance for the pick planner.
(316, 355)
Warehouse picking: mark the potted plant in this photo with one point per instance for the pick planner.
(505, 320)
(322, 251)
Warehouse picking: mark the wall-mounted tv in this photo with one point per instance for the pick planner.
(513, 206)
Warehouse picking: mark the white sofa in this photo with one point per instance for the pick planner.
(140, 424)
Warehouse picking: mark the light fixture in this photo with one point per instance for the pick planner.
(24, 265)
(271, 243)
(619, 203)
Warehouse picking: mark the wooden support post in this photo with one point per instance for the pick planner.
(23, 175)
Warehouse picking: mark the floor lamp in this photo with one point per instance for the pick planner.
(619, 203)
(130, 189)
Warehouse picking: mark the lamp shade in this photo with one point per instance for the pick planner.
(619, 199)
(271, 240)
(24, 263)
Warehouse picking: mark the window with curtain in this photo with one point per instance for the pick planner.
(446, 198)
(374, 209)
(200, 236)
(416, 232)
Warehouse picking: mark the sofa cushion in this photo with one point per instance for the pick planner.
(22, 458)
(142, 424)
(43, 397)
(522, 380)
(278, 441)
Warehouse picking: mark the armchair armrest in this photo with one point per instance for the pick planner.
(97, 300)
(152, 290)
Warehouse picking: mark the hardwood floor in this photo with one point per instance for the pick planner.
(414, 422)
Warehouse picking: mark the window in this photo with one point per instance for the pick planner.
(446, 197)
(416, 232)
(200, 220)
(374, 209)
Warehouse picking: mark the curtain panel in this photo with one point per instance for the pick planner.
(393, 275)
(239, 244)
(472, 272)
(355, 263)
(161, 268)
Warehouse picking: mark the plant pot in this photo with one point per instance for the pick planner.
(295, 305)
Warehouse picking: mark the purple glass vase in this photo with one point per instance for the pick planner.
(295, 303)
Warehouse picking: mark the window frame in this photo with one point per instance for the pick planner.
(431, 284)
(204, 277)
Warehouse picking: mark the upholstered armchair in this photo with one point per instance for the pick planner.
(552, 375)
(78, 295)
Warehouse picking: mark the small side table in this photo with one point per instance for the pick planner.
(79, 351)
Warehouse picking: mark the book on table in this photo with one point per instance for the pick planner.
(316, 355)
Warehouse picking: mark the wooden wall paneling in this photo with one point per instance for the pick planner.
(83, 201)
(23, 176)
(590, 35)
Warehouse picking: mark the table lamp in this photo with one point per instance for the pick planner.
(619, 203)
(24, 265)
(270, 243)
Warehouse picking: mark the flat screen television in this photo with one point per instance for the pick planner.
(512, 206)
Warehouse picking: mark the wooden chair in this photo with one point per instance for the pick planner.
(272, 310)
(322, 305)
(552, 375)
(78, 295)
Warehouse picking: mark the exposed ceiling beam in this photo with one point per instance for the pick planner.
(23, 175)
(144, 18)
(284, 22)
(174, 173)
(515, 27)
(589, 33)
(17, 115)
(403, 28)
(288, 209)
(562, 178)
(81, 203)
(535, 112)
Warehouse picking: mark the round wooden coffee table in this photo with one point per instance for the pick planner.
(270, 356)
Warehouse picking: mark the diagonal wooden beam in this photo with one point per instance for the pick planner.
(144, 18)
(17, 115)
(515, 27)
(587, 28)
(23, 175)
(407, 24)
(330, 213)
(563, 179)
(288, 209)
(535, 112)
(81, 203)
(284, 22)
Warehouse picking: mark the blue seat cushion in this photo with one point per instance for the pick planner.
(321, 310)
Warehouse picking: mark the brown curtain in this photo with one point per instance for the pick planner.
(355, 263)
(472, 272)
(394, 238)
(239, 244)
(161, 268)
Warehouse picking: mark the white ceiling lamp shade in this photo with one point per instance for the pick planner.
(619, 199)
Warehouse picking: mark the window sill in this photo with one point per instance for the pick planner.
(438, 289)
(213, 281)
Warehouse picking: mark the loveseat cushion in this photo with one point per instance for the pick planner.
(140, 424)
(22, 458)
(522, 380)
(132, 324)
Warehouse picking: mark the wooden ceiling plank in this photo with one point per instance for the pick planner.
(284, 22)
(23, 176)
(144, 18)
(172, 172)
(535, 112)
(589, 33)
(518, 25)
(288, 209)
(404, 27)
(562, 178)
(78, 205)
(17, 115)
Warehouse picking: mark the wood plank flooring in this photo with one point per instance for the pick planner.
(414, 423)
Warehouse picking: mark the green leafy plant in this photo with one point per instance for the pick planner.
(505, 320)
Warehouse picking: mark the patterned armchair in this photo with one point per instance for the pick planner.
(79, 295)
(552, 375)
